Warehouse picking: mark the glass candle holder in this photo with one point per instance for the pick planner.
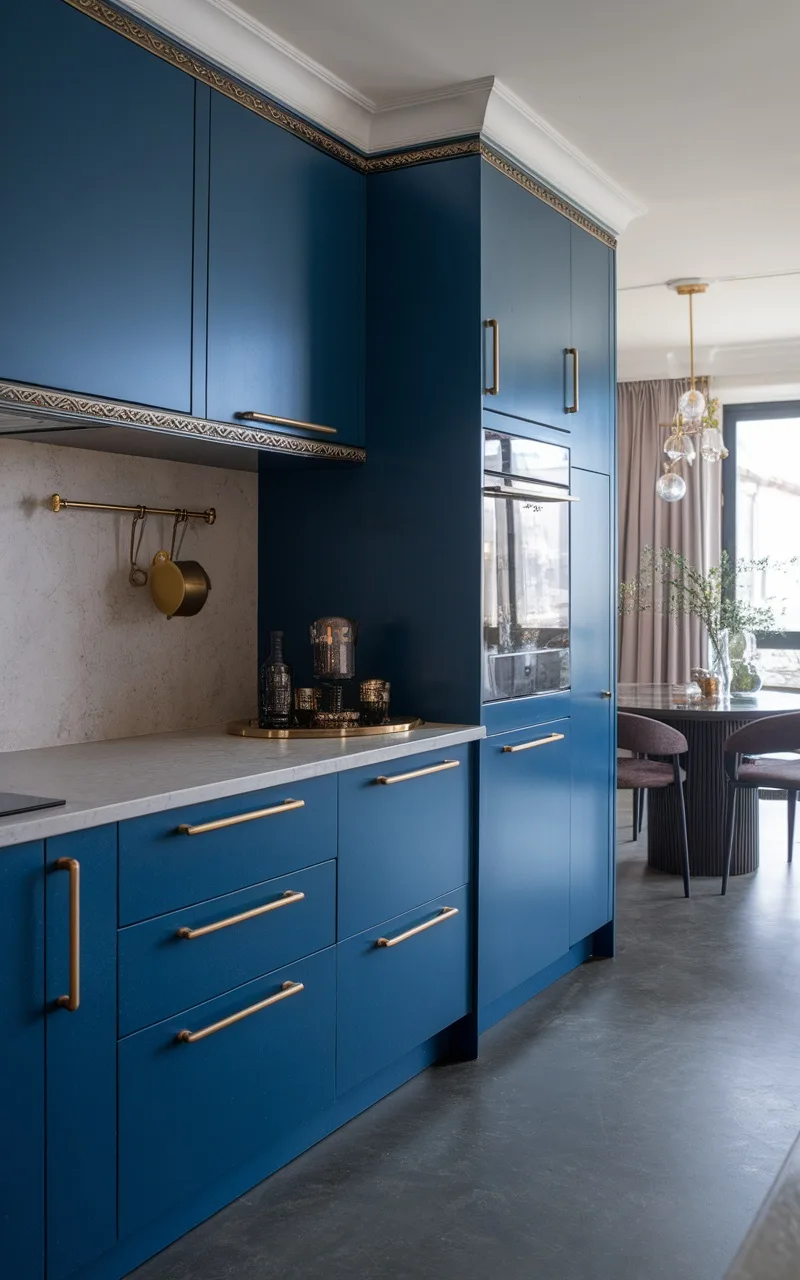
(375, 701)
(306, 702)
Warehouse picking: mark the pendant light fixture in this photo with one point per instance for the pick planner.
(694, 417)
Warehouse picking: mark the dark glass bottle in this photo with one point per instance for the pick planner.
(275, 692)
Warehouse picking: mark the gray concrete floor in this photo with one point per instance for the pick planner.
(624, 1125)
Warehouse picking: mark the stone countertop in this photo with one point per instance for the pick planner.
(124, 778)
(771, 1250)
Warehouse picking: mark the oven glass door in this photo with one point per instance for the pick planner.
(525, 596)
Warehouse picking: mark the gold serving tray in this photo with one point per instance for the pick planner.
(250, 729)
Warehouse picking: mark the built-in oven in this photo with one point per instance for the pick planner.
(526, 502)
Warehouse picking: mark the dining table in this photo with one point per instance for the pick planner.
(706, 723)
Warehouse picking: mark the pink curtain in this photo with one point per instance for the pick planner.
(654, 648)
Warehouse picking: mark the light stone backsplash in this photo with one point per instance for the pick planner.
(84, 656)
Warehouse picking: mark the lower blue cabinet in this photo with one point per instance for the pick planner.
(201, 1093)
(524, 856)
(81, 1049)
(394, 997)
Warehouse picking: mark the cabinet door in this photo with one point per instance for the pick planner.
(285, 277)
(525, 287)
(22, 1061)
(593, 337)
(523, 914)
(97, 195)
(81, 1049)
(593, 736)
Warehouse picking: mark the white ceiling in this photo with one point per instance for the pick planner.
(691, 107)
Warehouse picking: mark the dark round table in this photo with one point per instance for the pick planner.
(705, 725)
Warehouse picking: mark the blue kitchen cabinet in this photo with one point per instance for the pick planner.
(593, 705)
(525, 288)
(96, 190)
(80, 1049)
(22, 1062)
(286, 278)
(524, 852)
(592, 336)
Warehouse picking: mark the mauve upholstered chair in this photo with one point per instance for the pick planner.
(646, 737)
(773, 733)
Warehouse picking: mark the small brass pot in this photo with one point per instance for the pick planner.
(179, 588)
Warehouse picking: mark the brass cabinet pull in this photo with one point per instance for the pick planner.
(537, 742)
(446, 913)
(417, 773)
(288, 989)
(494, 325)
(285, 901)
(250, 415)
(73, 1000)
(606, 693)
(219, 823)
(573, 408)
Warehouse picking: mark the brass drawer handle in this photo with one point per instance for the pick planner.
(73, 1000)
(537, 742)
(288, 989)
(494, 325)
(250, 415)
(417, 773)
(573, 351)
(446, 913)
(285, 901)
(219, 823)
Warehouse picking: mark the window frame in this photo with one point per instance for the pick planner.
(733, 413)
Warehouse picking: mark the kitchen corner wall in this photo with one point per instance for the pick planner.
(85, 656)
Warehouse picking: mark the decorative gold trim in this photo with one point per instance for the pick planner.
(557, 202)
(147, 38)
(83, 410)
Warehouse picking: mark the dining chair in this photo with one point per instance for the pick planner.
(646, 737)
(772, 733)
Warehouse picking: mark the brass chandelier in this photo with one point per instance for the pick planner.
(695, 416)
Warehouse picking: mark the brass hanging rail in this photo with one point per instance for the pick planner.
(57, 503)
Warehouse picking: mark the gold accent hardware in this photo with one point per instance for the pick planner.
(418, 773)
(185, 830)
(251, 416)
(494, 325)
(606, 693)
(57, 503)
(446, 913)
(573, 351)
(73, 1000)
(537, 742)
(285, 901)
(288, 989)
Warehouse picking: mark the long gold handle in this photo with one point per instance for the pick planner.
(218, 825)
(288, 989)
(73, 1000)
(573, 408)
(286, 901)
(417, 773)
(446, 913)
(537, 742)
(250, 415)
(494, 325)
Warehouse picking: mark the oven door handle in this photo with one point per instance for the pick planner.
(519, 495)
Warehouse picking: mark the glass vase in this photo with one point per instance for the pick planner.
(720, 660)
(745, 675)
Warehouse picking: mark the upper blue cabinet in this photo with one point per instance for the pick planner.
(96, 193)
(286, 293)
(592, 339)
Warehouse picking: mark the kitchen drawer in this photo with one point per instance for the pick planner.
(163, 970)
(190, 1112)
(393, 998)
(161, 867)
(405, 842)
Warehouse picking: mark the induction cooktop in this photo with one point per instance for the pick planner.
(11, 803)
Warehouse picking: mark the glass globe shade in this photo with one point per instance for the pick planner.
(670, 487)
(711, 446)
(692, 405)
(679, 446)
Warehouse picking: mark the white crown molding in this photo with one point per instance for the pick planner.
(221, 32)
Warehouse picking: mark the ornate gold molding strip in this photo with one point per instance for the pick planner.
(549, 197)
(84, 411)
(125, 25)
